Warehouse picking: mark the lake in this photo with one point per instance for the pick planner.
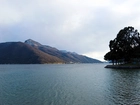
(68, 84)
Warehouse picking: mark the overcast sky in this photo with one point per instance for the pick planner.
(81, 26)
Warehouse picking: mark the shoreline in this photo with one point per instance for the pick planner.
(123, 66)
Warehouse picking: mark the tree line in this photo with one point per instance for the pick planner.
(125, 48)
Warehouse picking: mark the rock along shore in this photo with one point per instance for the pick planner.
(123, 66)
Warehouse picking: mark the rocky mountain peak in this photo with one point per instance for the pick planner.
(32, 42)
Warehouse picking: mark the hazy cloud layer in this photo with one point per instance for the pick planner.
(82, 26)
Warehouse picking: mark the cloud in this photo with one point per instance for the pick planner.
(8, 15)
(82, 26)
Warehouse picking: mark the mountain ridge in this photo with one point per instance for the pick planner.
(21, 53)
(68, 57)
(32, 52)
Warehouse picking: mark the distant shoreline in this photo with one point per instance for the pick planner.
(123, 66)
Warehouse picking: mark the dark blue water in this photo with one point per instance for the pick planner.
(68, 84)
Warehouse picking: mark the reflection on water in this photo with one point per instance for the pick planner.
(69, 84)
(125, 86)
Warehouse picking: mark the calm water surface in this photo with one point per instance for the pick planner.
(68, 84)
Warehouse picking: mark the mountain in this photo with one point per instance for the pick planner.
(21, 53)
(67, 57)
(32, 52)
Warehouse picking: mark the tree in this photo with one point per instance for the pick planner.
(123, 46)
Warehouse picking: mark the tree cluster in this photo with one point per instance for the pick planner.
(125, 47)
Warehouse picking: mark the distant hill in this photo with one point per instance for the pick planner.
(21, 53)
(32, 52)
(67, 57)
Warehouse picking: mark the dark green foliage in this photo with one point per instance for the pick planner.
(125, 47)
